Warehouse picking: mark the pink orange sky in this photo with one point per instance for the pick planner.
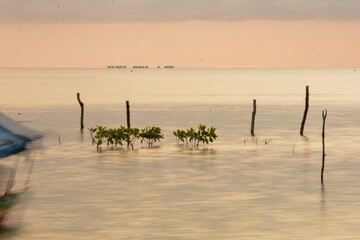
(184, 33)
(253, 44)
(246, 44)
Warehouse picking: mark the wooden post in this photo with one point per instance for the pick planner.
(324, 115)
(128, 114)
(305, 111)
(82, 112)
(253, 118)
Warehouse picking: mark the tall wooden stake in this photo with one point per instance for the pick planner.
(82, 112)
(305, 111)
(253, 118)
(128, 114)
(324, 115)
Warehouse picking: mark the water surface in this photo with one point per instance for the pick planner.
(236, 188)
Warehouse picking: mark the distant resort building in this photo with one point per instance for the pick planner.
(140, 66)
(169, 66)
(117, 66)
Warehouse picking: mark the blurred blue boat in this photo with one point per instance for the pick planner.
(14, 139)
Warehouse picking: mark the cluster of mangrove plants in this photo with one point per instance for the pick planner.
(150, 135)
(119, 136)
(195, 136)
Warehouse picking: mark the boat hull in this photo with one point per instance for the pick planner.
(7, 202)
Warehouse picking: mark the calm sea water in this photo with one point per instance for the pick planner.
(235, 188)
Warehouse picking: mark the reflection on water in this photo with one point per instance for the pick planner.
(231, 189)
(323, 200)
(6, 232)
(195, 150)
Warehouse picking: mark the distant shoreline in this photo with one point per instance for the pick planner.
(205, 68)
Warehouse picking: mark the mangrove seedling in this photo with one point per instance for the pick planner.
(101, 134)
(205, 135)
(194, 137)
(130, 135)
(181, 136)
(115, 136)
(191, 135)
(151, 135)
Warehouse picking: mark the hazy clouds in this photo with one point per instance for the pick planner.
(115, 11)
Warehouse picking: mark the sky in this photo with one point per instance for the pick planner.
(184, 33)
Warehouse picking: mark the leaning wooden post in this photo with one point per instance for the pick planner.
(128, 114)
(82, 112)
(305, 111)
(324, 115)
(253, 118)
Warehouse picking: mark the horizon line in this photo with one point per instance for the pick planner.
(131, 68)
